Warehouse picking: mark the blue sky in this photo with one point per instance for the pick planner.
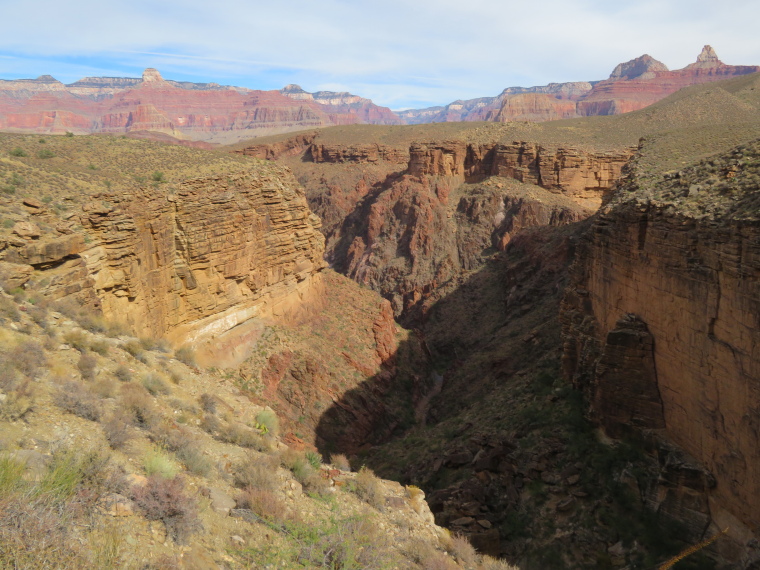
(400, 54)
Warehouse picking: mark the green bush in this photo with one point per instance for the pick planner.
(268, 419)
(157, 462)
(45, 153)
(18, 152)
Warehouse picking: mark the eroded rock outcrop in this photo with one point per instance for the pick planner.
(583, 176)
(197, 263)
(682, 256)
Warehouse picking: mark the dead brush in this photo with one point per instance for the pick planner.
(166, 500)
(76, 398)
(264, 503)
(257, 472)
(137, 403)
(369, 488)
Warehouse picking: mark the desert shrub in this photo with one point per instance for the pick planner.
(462, 550)
(136, 402)
(208, 403)
(268, 419)
(489, 563)
(316, 484)
(256, 472)
(238, 434)
(354, 543)
(296, 462)
(133, 347)
(77, 339)
(438, 561)
(416, 498)
(340, 461)
(45, 153)
(38, 314)
(155, 384)
(104, 387)
(28, 357)
(154, 344)
(264, 503)
(185, 355)
(165, 500)
(19, 392)
(158, 462)
(9, 310)
(99, 346)
(18, 152)
(87, 318)
(87, 364)
(314, 459)
(37, 533)
(369, 488)
(185, 445)
(122, 373)
(158, 176)
(117, 429)
(76, 398)
(11, 473)
(212, 425)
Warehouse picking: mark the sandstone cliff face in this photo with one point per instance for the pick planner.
(660, 324)
(191, 261)
(196, 264)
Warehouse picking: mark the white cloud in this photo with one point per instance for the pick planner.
(426, 52)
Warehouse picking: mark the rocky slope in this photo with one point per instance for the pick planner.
(632, 85)
(663, 302)
(182, 110)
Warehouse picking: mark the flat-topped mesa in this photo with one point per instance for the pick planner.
(198, 263)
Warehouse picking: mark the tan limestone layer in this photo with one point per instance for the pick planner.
(696, 285)
(195, 264)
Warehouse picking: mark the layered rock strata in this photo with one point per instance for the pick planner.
(195, 111)
(195, 264)
(191, 265)
(584, 176)
(660, 323)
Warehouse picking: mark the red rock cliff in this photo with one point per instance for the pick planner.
(661, 324)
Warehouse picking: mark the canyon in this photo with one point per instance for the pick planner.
(548, 327)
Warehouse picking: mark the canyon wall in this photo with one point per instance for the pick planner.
(194, 111)
(190, 265)
(660, 326)
(583, 176)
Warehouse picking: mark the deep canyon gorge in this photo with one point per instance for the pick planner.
(544, 329)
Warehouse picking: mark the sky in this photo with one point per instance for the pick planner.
(400, 54)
